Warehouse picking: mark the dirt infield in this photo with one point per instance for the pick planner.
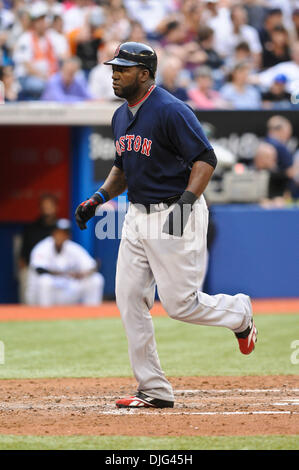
(204, 406)
(109, 309)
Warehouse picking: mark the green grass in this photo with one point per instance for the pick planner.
(98, 348)
(10, 442)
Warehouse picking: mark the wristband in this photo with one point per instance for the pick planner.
(188, 198)
(103, 194)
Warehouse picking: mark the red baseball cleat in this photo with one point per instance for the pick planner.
(247, 338)
(141, 400)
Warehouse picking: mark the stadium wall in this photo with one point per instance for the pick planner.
(69, 150)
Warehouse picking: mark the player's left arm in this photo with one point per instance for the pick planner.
(199, 178)
(191, 143)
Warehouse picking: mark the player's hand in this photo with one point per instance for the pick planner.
(86, 210)
(177, 219)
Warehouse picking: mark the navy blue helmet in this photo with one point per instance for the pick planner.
(132, 54)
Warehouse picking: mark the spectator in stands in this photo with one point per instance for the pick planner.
(279, 132)
(55, 10)
(100, 77)
(90, 39)
(62, 272)
(74, 16)
(290, 69)
(192, 11)
(256, 11)
(273, 17)
(295, 29)
(33, 233)
(173, 32)
(34, 55)
(242, 53)
(276, 50)
(206, 41)
(241, 31)
(21, 24)
(213, 59)
(58, 38)
(203, 96)
(148, 13)
(238, 92)
(11, 86)
(117, 23)
(265, 159)
(217, 15)
(136, 32)
(277, 97)
(6, 17)
(68, 85)
(170, 71)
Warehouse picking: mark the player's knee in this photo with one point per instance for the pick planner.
(127, 292)
(177, 309)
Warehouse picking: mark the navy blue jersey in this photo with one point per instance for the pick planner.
(157, 147)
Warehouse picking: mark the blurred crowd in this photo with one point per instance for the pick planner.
(212, 54)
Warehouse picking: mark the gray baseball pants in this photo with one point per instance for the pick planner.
(177, 265)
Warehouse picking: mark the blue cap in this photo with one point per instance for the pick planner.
(280, 78)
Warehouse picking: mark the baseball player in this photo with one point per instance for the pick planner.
(165, 161)
(62, 272)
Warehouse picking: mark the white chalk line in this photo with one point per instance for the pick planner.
(202, 413)
(5, 406)
(138, 412)
(177, 393)
(240, 390)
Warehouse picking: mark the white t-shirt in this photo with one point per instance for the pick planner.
(226, 46)
(149, 13)
(290, 69)
(71, 258)
(24, 52)
(74, 18)
(60, 44)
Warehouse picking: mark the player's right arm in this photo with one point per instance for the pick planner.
(114, 185)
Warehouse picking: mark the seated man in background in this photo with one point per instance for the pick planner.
(67, 86)
(62, 272)
(170, 77)
(33, 233)
(202, 95)
(267, 158)
(277, 97)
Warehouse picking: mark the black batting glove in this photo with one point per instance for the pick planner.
(86, 210)
(177, 219)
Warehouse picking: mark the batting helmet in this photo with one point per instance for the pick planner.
(130, 54)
